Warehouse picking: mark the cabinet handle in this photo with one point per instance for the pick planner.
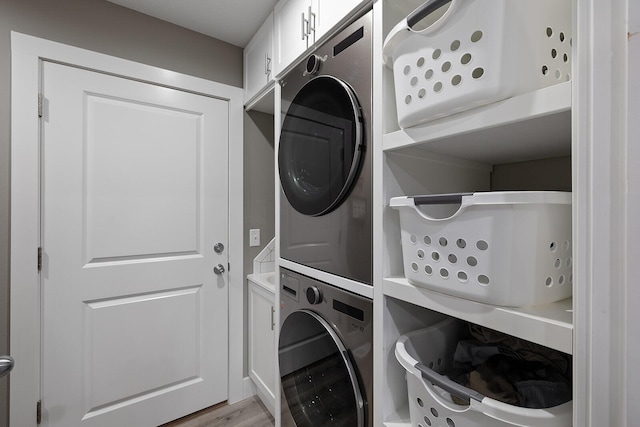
(304, 31)
(267, 64)
(312, 27)
(273, 323)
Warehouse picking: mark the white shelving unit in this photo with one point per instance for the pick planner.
(487, 135)
(455, 154)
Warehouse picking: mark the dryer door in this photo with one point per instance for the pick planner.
(319, 381)
(321, 146)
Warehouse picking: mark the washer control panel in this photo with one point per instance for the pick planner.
(290, 286)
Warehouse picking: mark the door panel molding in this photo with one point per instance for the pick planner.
(27, 55)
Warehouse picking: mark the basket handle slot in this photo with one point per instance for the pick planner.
(424, 10)
(440, 199)
(448, 385)
(440, 207)
(404, 28)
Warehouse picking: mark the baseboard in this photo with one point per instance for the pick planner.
(263, 392)
(248, 388)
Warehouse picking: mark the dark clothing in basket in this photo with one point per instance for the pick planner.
(512, 370)
(525, 349)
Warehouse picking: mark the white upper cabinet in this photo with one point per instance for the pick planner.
(292, 31)
(299, 24)
(330, 13)
(258, 61)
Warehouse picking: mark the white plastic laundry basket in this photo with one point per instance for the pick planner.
(503, 248)
(426, 354)
(478, 52)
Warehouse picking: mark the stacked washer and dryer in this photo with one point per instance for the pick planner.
(325, 164)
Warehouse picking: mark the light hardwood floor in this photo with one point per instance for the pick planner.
(248, 413)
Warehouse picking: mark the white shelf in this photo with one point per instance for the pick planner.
(535, 125)
(550, 325)
(266, 281)
(263, 101)
(358, 288)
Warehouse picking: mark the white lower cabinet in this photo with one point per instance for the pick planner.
(262, 363)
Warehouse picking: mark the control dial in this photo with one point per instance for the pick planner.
(314, 295)
(313, 65)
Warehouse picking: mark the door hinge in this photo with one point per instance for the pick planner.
(40, 102)
(40, 259)
(39, 412)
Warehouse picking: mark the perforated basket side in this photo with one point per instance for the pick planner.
(456, 68)
(487, 50)
(511, 255)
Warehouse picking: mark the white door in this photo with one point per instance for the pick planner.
(134, 198)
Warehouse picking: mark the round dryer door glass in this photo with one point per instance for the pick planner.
(319, 381)
(321, 146)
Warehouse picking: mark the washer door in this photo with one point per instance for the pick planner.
(321, 146)
(319, 380)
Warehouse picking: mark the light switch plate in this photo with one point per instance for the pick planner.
(254, 237)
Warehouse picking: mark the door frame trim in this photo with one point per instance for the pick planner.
(27, 53)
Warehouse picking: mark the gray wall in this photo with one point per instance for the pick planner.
(546, 174)
(259, 193)
(107, 28)
(259, 184)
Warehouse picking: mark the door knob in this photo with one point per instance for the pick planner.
(218, 248)
(6, 365)
(218, 269)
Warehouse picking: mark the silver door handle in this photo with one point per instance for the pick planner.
(218, 269)
(6, 365)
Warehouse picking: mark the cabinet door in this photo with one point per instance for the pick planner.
(329, 13)
(258, 60)
(291, 31)
(262, 363)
